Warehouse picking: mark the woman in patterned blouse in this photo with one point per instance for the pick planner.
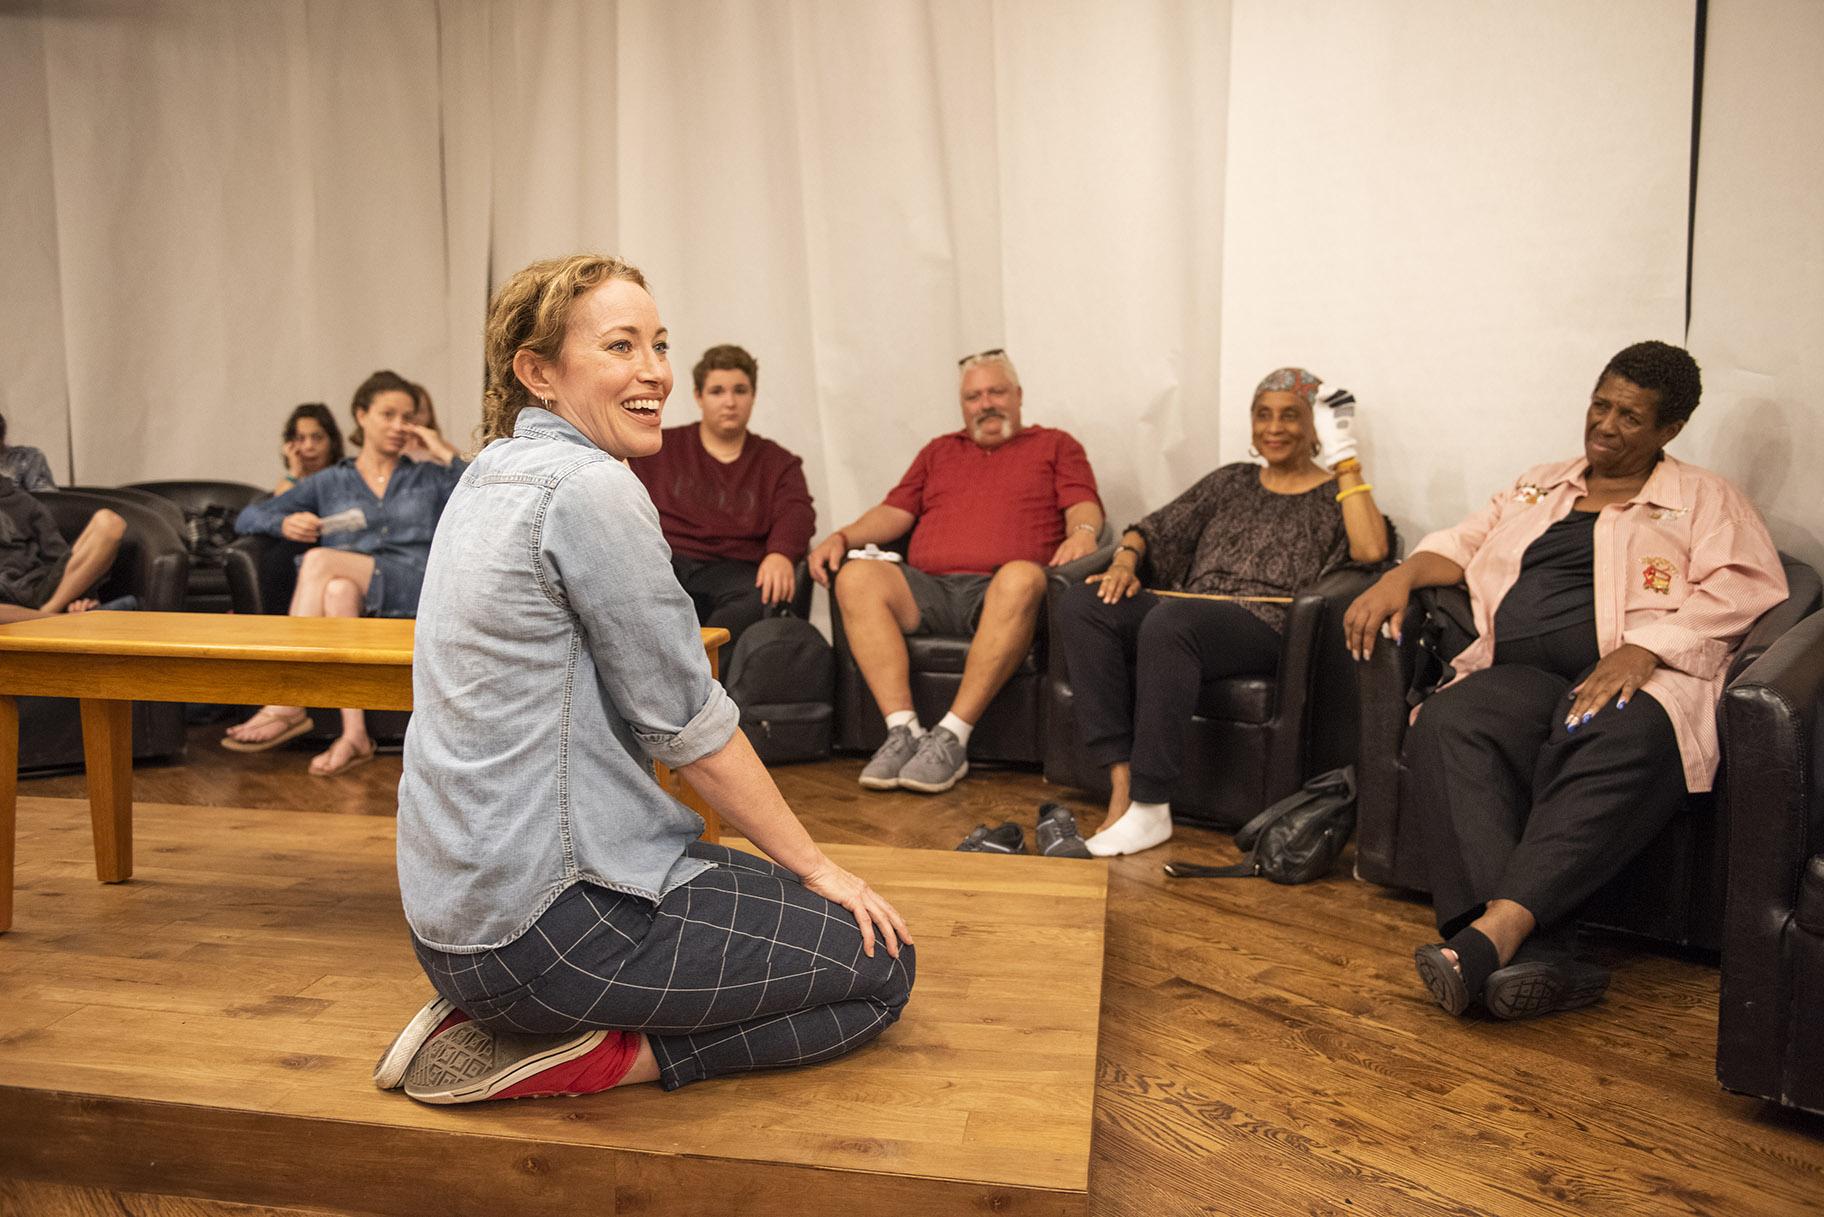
(1241, 541)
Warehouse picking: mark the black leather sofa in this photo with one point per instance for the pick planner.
(152, 565)
(209, 588)
(1770, 1026)
(1672, 892)
(1254, 739)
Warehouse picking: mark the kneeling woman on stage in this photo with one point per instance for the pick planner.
(578, 935)
(1242, 541)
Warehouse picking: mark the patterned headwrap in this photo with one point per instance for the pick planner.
(1289, 380)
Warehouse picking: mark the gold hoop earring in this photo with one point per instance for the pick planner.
(1255, 453)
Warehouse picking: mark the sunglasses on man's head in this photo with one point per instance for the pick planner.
(990, 353)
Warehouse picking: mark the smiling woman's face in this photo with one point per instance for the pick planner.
(613, 375)
(1282, 428)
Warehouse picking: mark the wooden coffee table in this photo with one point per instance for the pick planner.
(110, 660)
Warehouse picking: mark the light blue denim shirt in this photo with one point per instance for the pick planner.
(556, 656)
(399, 527)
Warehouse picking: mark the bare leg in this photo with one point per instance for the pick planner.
(315, 573)
(1010, 614)
(645, 1067)
(1118, 790)
(91, 557)
(1503, 923)
(877, 613)
(343, 597)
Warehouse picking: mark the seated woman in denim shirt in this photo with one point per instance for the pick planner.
(370, 519)
(578, 934)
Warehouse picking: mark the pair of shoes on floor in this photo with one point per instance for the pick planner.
(1543, 977)
(1055, 835)
(444, 1057)
(930, 763)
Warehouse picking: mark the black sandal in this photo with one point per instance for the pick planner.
(1455, 986)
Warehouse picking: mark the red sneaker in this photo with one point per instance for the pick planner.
(433, 1018)
(469, 1063)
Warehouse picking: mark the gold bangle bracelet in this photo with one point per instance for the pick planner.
(1349, 465)
(1364, 488)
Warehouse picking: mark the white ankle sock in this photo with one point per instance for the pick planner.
(905, 718)
(957, 727)
(1141, 826)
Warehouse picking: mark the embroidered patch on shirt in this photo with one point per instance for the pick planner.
(1668, 513)
(1528, 493)
(1656, 576)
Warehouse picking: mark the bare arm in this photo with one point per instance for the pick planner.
(1082, 525)
(734, 782)
(1362, 518)
(877, 525)
(1385, 602)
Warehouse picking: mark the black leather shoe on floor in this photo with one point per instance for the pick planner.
(1056, 835)
(1528, 988)
(1004, 838)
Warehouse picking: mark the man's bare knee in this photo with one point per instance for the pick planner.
(864, 583)
(1020, 583)
(106, 525)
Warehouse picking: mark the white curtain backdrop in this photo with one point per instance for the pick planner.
(216, 210)
(1757, 318)
(1459, 211)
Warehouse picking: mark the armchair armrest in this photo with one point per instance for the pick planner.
(1803, 595)
(1772, 732)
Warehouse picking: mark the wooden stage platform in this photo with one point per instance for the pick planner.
(208, 1030)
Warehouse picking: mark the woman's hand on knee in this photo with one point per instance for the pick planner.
(302, 526)
(1617, 678)
(872, 913)
(1117, 583)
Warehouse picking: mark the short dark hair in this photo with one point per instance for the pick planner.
(725, 358)
(1668, 371)
(2, 433)
(318, 413)
(380, 382)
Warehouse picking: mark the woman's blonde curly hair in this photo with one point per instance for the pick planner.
(532, 312)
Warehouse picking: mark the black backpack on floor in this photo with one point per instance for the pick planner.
(782, 675)
(1294, 841)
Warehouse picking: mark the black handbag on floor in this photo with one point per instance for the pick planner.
(1294, 841)
(782, 675)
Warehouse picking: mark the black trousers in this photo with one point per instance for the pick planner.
(742, 968)
(1139, 667)
(1515, 807)
(723, 591)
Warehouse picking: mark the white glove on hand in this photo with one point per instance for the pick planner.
(1334, 414)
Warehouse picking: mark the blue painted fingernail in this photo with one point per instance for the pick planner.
(1621, 703)
(1587, 716)
(1570, 726)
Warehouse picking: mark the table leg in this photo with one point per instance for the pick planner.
(107, 757)
(9, 803)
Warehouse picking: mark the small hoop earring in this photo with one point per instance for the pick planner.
(1317, 447)
(1255, 453)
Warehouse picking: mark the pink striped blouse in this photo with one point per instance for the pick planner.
(1683, 568)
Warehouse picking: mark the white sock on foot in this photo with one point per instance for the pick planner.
(957, 727)
(905, 718)
(1141, 826)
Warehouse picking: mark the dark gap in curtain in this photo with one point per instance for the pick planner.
(1697, 127)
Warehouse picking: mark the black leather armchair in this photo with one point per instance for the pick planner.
(1671, 892)
(1012, 730)
(209, 585)
(152, 565)
(1770, 1027)
(1254, 739)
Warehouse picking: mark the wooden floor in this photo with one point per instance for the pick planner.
(1267, 1050)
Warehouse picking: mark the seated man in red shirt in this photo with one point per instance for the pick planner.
(988, 507)
(734, 506)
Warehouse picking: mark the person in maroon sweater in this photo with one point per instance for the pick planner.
(733, 505)
(988, 508)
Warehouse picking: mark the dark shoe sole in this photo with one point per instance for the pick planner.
(1441, 979)
(934, 787)
(389, 1070)
(1069, 847)
(1527, 990)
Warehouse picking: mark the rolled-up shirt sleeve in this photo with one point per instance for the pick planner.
(1734, 575)
(602, 556)
(268, 515)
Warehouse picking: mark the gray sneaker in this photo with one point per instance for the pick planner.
(882, 770)
(940, 763)
(1057, 835)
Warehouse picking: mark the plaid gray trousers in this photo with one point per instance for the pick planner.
(741, 968)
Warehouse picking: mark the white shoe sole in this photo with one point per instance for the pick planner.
(389, 1071)
(458, 1066)
(906, 783)
(880, 783)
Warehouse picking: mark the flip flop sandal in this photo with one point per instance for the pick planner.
(297, 728)
(354, 760)
(1455, 987)
(1544, 986)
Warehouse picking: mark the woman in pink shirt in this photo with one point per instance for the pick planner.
(1608, 592)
